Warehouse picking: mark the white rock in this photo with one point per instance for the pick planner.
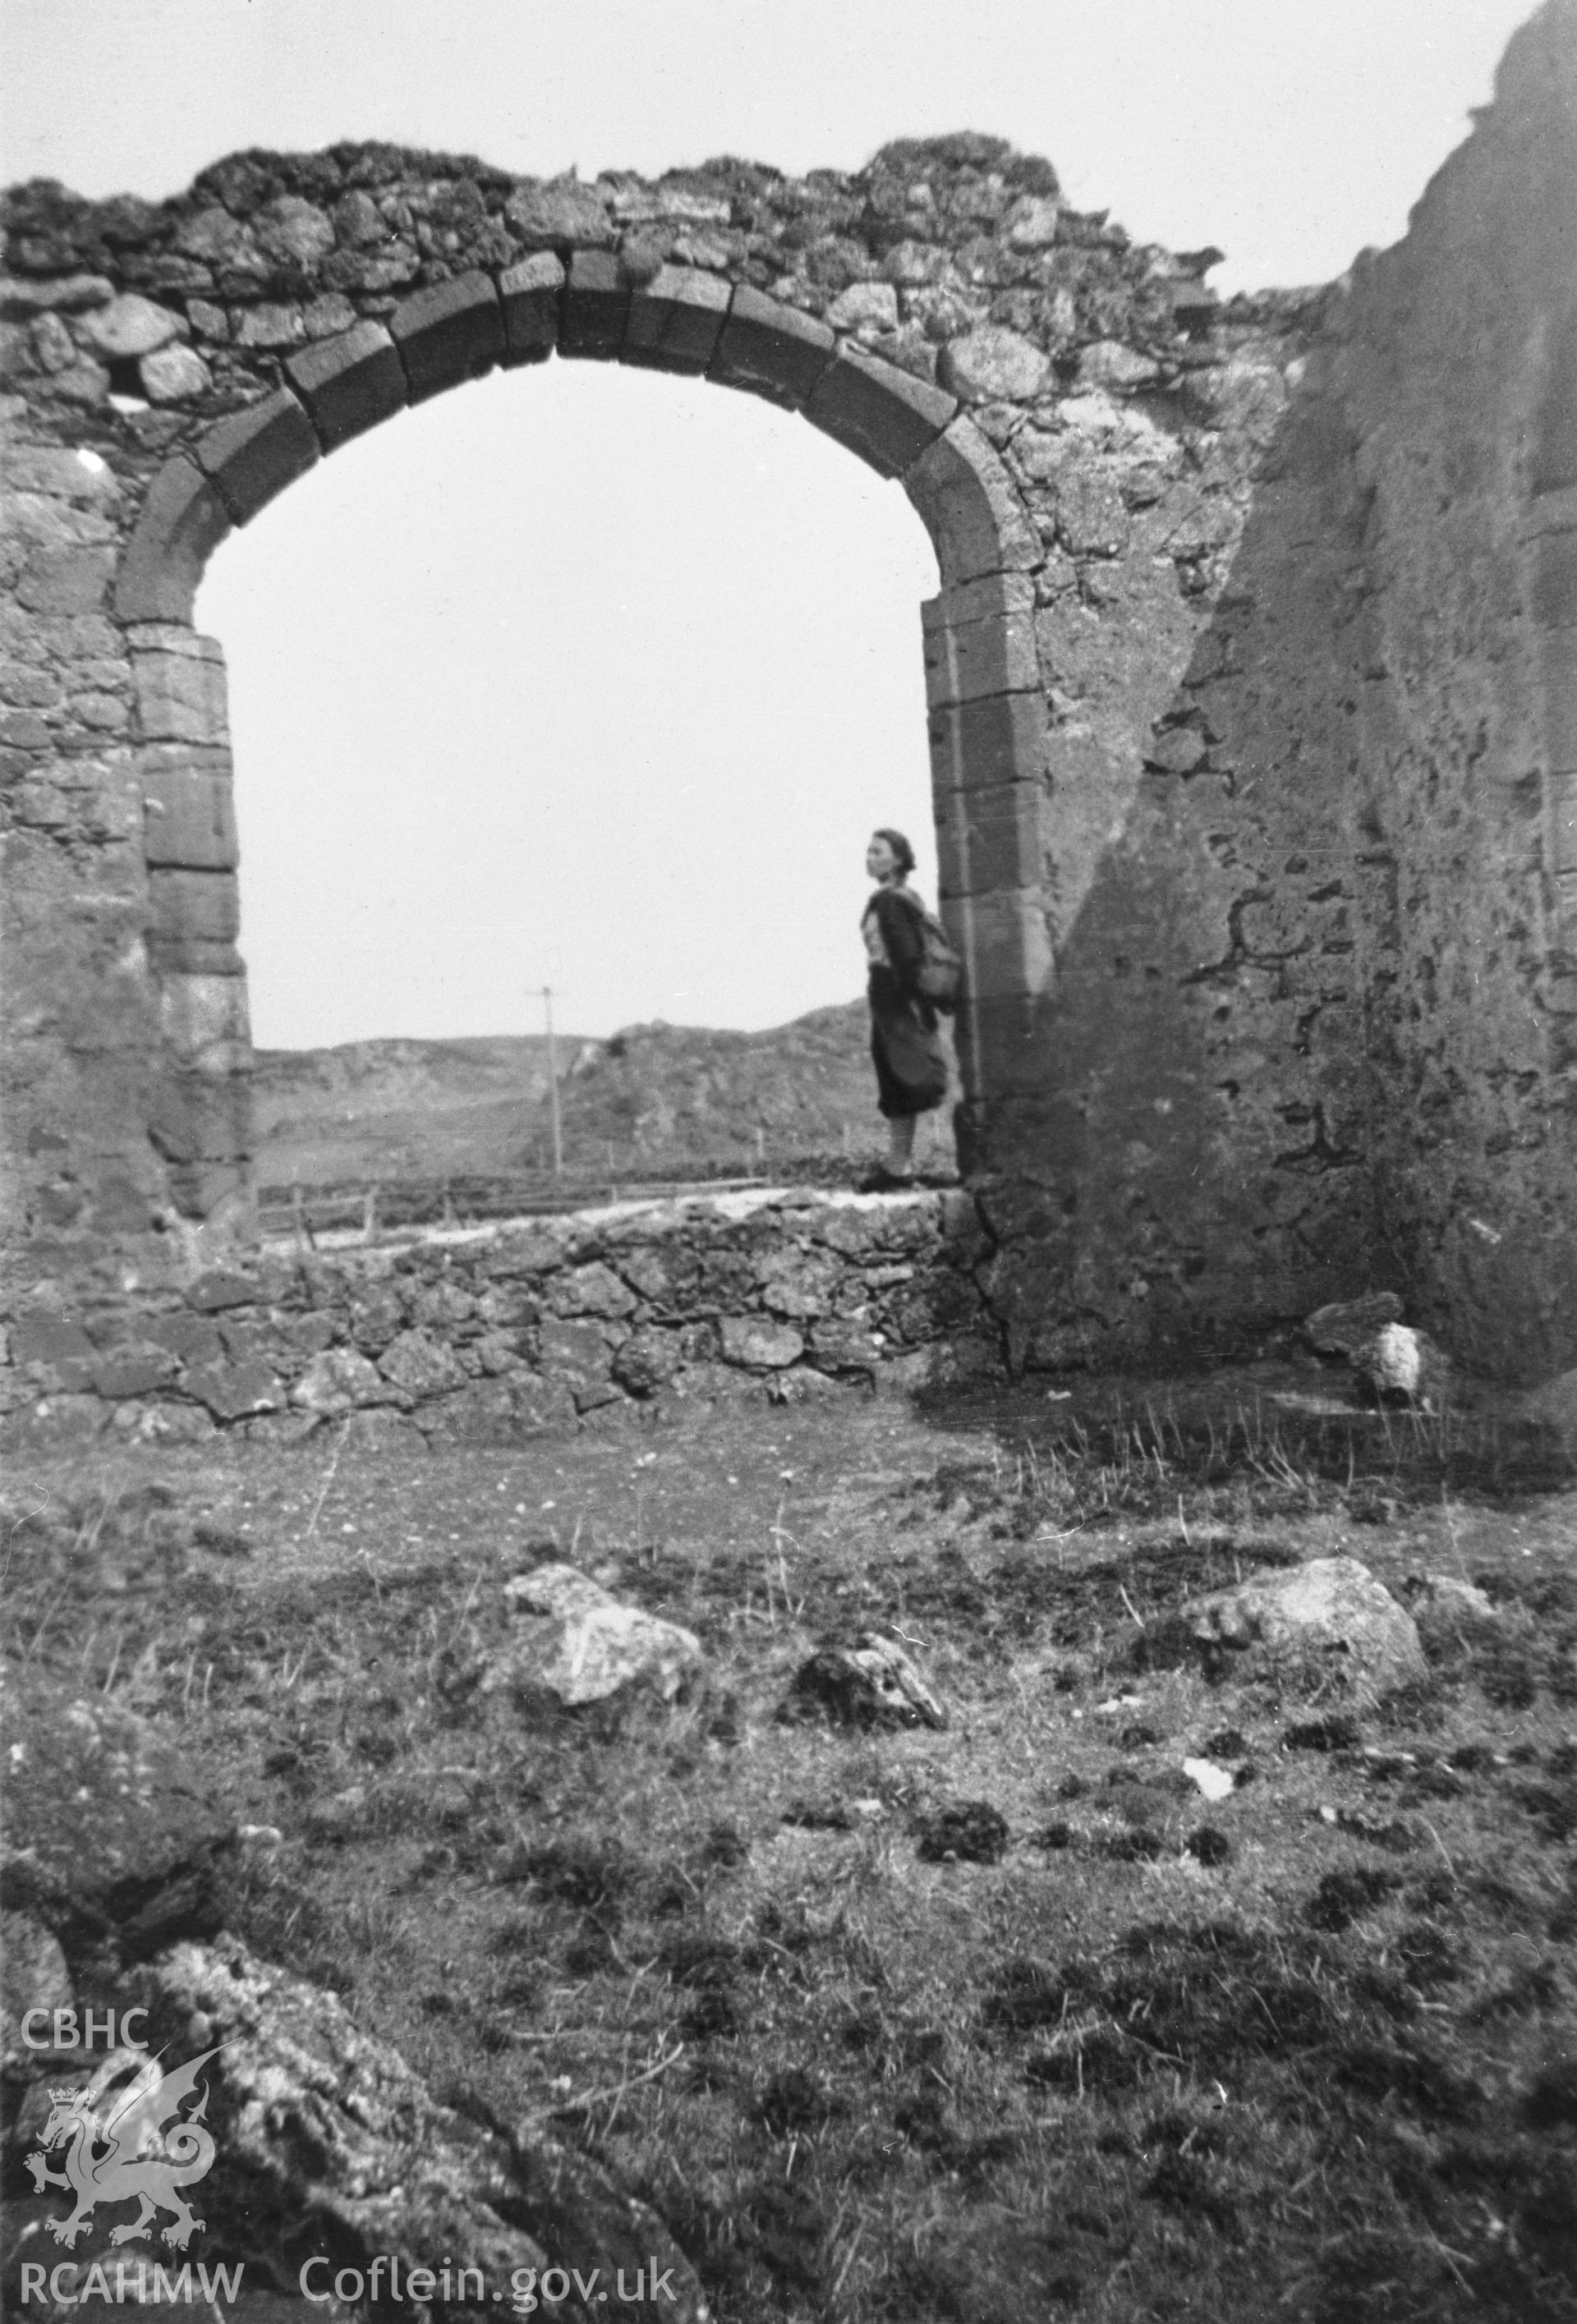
(993, 363)
(1031, 222)
(864, 306)
(758, 1343)
(337, 1380)
(171, 373)
(580, 1644)
(1214, 1782)
(1461, 1597)
(1399, 1363)
(1394, 1359)
(560, 1590)
(130, 326)
(1330, 1606)
(1107, 363)
(1094, 414)
(1445, 1606)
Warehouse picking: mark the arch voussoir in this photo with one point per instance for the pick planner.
(349, 383)
(968, 504)
(676, 320)
(886, 416)
(182, 521)
(771, 350)
(451, 332)
(254, 454)
(529, 295)
(595, 307)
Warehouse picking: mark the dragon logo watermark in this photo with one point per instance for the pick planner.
(126, 2141)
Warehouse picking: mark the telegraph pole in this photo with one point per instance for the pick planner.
(553, 1084)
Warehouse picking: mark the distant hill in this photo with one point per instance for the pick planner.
(654, 1100)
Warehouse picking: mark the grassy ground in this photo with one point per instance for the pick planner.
(999, 2023)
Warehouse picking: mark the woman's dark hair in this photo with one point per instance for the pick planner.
(901, 847)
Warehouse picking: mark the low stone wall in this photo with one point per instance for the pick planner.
(490, 1335)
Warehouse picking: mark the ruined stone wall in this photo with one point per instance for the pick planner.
(495, 1334)
(1311, 1020)
(1187, 781)
(1456, 364)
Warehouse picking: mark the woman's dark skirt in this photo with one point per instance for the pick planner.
(911, 1066)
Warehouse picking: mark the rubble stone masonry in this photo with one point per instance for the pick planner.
(1251, 674)
(492, 1334)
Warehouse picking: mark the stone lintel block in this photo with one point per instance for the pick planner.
(529, 297)
(885, 415)
(967, 503)
(206, 1024)
(201, 904)
(989, 840)
(254, 454)
(771, 350)
(675, 321)
(1002, 738)
(194, 956)
(1559, 652)
(201, 1118)
(1564, 816)
(189, 818)
(448, 332)
(993, 594)
(1005, 943)
(1554, 581)
(596, 308)
(181, 696)
(350, 383)
(183, 520)
(975, 659)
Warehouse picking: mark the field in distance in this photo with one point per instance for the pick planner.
(652, 1100)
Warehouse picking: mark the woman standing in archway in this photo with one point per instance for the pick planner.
(911, 1066)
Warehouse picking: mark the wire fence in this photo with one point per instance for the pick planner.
(375, 1208)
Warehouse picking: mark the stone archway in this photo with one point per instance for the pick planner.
(984, 697)
(1250, 655)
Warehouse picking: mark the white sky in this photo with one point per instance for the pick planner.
(599, 678)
